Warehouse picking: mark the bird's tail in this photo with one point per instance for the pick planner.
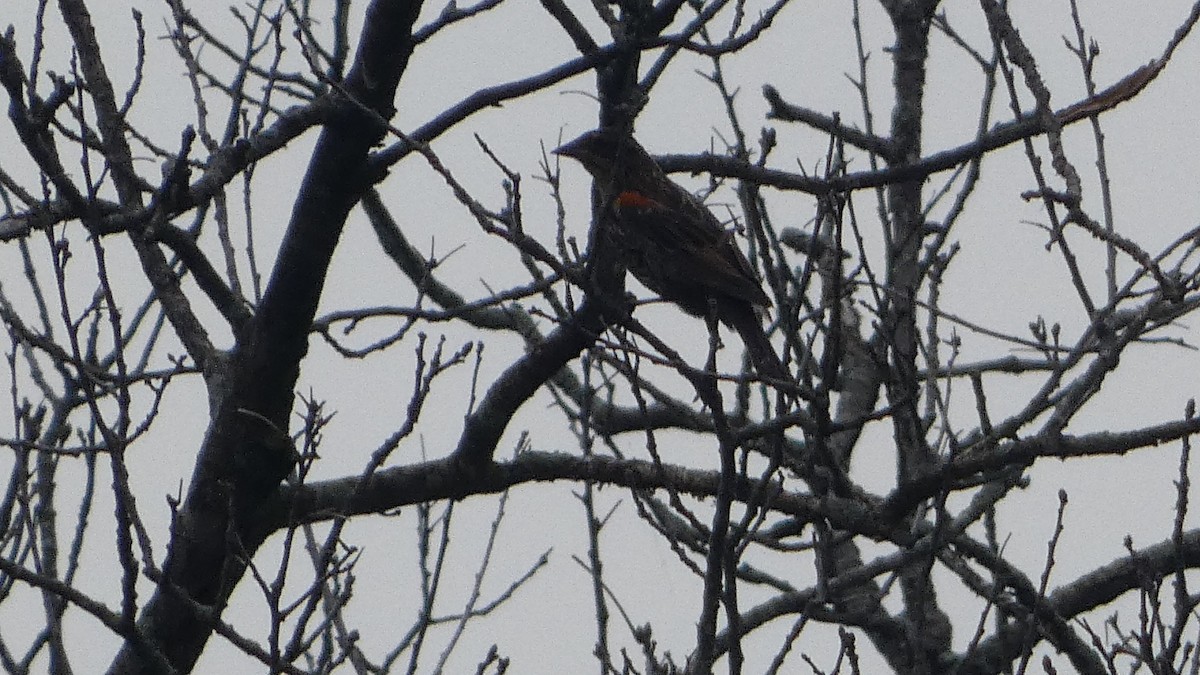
(743, 319)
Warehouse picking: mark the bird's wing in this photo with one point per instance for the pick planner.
(688, 233)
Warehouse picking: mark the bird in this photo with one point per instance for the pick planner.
(669, 240)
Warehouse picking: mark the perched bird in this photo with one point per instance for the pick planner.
(671, 242)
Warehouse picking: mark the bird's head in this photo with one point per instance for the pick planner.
(609, 155)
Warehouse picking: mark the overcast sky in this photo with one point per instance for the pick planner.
(1004, 278)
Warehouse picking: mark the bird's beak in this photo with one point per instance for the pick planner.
(566, 150)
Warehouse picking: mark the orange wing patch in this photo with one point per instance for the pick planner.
(637, 200)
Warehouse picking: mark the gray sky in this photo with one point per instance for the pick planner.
(1003, 278)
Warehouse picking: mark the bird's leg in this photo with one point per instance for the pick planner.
(714, 335)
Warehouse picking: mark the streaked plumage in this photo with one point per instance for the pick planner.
(672, 243)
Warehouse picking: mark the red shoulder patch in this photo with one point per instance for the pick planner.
(633, 199)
